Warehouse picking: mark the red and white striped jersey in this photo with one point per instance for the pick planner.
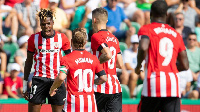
(99, 40)
(161, 78)
(47, 53)
(80, 103)
(81, 67)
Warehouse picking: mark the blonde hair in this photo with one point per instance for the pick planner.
(79, 37)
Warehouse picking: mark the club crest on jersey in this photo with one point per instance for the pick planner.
(56, 45)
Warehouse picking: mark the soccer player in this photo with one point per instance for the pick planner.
(45, 47)
(161, 46)
(105, 46)
(80, 68)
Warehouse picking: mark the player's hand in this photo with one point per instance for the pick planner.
(137, 70)
(52, 92)
(25, 95)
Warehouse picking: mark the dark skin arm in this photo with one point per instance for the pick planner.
(142, 52)
(183, 61)
(28, 65)
(27, 70)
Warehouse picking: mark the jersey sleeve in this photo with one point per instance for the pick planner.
(97, 43)
(65, 42)
(143, 31)
(63, 66)
(182, 45)
(31, 45)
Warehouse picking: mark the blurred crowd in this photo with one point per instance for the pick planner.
(19, 20)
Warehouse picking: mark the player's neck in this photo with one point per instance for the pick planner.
(79, 49)
(100, 27)
(158, 20)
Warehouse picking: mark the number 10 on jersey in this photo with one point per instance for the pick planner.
(83, 76)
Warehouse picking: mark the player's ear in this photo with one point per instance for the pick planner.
(95, 20)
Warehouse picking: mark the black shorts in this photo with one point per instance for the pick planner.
(109, 102)
(155, 104)
(40, 91)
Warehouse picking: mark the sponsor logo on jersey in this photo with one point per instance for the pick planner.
(48, 51)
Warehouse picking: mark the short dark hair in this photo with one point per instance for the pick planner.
(100, 14)
(159, 8)
(192, 33)
(44, 13)
(79, 37)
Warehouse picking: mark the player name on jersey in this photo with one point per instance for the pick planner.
(112, 39)
(83, 60)
(165, 30)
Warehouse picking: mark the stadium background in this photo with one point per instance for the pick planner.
(129, 105)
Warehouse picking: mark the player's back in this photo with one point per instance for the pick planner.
(81, 66)
(165, 44)
(113, 44)
(98, 41)
(81, 72)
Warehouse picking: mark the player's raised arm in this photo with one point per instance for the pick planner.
(106, 55)
(142, 52)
